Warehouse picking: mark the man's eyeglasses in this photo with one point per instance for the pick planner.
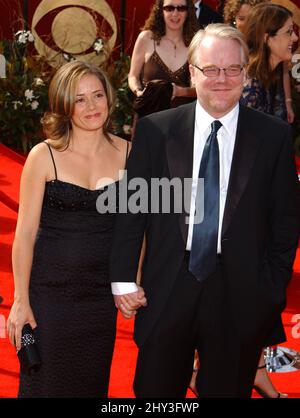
(170, 8)
(231, 71)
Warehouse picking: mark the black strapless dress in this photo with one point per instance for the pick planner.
(70, 295)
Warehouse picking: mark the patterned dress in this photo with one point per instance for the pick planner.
(271, 100)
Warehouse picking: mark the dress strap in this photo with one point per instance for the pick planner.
(52, 159)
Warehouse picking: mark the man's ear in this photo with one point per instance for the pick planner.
(192, 74)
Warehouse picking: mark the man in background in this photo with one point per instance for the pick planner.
(205, 14)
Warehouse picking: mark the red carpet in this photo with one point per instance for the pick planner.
(123, 365)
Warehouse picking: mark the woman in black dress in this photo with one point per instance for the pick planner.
(62, 242)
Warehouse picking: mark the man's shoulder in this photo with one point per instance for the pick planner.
(269, 129)
(255, 117)
(169, 117)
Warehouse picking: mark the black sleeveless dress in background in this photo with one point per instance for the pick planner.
(70, 295)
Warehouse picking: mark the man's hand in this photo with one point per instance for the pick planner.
(130, 302)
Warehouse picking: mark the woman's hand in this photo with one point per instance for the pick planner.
(20, 314)
(139, 92)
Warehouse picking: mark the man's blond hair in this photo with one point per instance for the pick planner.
(221, 31)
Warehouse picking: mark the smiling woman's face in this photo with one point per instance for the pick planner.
(281, 44)
(175, 19)
(241, 17)
(90, 109)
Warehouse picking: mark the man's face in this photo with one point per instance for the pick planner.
(218, 95)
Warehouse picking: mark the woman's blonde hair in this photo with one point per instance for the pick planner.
(62, 94)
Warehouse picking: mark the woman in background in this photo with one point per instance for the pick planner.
(236, 13)
(160, 54)
(270, 37)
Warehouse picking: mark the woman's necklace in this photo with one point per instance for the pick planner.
(174, 45)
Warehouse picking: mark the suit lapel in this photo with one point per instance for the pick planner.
(246, 146)
(179, 149)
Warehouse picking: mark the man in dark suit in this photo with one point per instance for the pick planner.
(206, 14)
(215, 283)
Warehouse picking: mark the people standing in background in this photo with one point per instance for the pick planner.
(236, 13)
(159, 73)
(205, 14)
(270, 37)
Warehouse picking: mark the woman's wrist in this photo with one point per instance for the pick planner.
(288, 100)
(21, 298)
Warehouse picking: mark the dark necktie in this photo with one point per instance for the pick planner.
(203, 257)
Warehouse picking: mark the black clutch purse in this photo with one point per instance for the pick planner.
(30, 360)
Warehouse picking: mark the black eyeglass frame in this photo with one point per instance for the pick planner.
(241, 67)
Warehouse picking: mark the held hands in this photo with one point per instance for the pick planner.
(20, 314)
(130, 302)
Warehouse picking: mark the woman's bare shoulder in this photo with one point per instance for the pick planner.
(39, 151)
(39, 159)
(145, 37)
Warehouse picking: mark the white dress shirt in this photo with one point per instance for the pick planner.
(226, 140)
(197, 5)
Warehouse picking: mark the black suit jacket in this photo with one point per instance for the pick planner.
(208, 15)
(260, 224)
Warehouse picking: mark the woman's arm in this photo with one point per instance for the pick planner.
(288, 93)
(179, 91)
(141, 260)
(31, 197)
(137, 62)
